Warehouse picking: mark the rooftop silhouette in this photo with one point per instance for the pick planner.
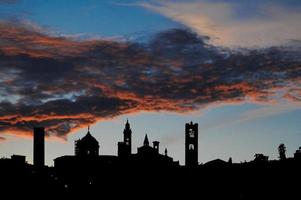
(87, 154)
(91, 173)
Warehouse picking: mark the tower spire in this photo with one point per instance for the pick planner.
(127, 124)
(146, 142)
(88, 130)
(125, 147)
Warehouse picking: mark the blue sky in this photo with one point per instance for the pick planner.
(98, 18)
(226, 129)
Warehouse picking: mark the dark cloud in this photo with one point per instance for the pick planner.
(65, 84)
(62, 115)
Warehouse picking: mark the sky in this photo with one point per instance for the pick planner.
(233, 67)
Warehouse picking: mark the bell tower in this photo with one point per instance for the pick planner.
(127, 138)
(191, 144)
(125, 147)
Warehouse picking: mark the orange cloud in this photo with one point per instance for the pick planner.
(65, 84)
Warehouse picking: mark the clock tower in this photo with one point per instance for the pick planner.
(191, 144)
(127, 137)
(125, 147)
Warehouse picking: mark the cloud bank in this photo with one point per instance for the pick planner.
(236, 23)
(65, 84)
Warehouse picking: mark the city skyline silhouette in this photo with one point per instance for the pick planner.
(108, 142)
(89, 146)
(89, 171)
(114, 149)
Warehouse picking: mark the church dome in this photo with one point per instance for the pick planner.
(87, 146)
(89, 139)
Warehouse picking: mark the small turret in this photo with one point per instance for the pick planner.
(156, 145)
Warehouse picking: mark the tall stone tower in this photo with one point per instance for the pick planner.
(127, 137)
(125, 147)
(39, 146)
(191, 144)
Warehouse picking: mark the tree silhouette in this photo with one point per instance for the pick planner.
(259, 157)
(282, 150)
(230, 160)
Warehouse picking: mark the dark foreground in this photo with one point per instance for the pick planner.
(271, 180)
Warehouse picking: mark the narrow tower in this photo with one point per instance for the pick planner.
(191, 144)
(127, 138)
(125, 147)
(39, 146)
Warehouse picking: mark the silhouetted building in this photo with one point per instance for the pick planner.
(125, 147)
(191, 144)
(297, 154)
(87, 146)
(93, 175)
(85, 163)
(87, 155)
(146, 150)
(150, 156)
(217, 163)
(39, 146)
(18, 159)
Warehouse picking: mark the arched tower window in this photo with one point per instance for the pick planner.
(127, 141)
(191, 133)
(191, 147)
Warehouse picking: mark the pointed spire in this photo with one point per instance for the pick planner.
(88, 130)
(127, 124)
(165, 152)
(146, 142)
